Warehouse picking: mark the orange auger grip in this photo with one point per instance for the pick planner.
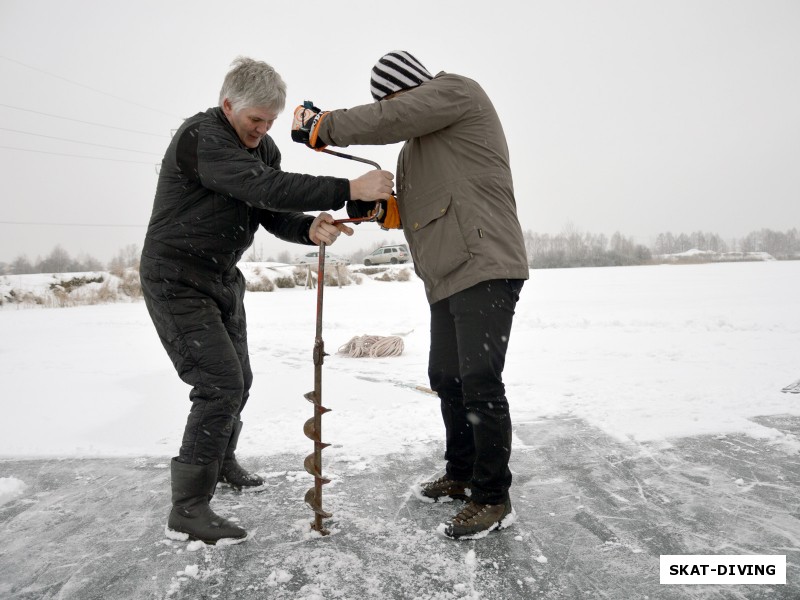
(392, 218)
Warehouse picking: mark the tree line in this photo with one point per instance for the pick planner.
(779, 244)
(570, 248)
(60, 261)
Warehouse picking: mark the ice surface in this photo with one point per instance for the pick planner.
(648, 420)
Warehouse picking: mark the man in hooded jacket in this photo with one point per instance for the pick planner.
(456, 204)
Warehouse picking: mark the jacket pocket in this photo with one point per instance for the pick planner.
(438, 245)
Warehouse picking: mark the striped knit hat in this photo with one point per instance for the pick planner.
(396, 71)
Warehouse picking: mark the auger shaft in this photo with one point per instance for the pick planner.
(313, 427)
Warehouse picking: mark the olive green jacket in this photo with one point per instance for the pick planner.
(454, 188)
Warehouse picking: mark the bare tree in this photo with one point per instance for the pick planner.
(21, 265)
(58, 261)
(127, 257)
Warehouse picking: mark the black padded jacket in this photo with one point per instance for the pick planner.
(213, 193)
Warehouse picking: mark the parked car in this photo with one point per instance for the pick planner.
(388, 255)
(312, 258)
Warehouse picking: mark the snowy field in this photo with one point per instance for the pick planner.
(643, 353)
(647, 356)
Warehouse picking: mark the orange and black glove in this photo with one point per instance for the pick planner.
(389, 216)
(383, 212)
(305, 125)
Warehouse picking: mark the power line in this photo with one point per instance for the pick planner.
(51, 137)
(40, 223)
(138, 162)
(36, 112)
(120, 98)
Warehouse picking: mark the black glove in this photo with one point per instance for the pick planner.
(359, 209)
(305, 124)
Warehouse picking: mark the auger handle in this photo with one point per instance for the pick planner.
(350, 157)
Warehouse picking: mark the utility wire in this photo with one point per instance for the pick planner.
(51, 137)
(36, 112)
(120, 98)
(71, 224)
(138, 162)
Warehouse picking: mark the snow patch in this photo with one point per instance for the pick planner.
(11, 488)
(190, 571)
(278, 577)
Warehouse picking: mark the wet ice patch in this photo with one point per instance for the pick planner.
(296, 475)
(11, 488)
(353, 462)
(369, 556)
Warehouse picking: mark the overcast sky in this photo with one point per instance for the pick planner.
(631, 116)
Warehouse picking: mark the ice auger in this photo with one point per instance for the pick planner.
(313, 427)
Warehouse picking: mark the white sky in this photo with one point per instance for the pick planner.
(630, 116)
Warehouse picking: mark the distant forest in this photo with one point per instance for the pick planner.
(570, 248)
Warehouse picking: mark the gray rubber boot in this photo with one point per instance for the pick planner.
(191, 517)
(232, 472)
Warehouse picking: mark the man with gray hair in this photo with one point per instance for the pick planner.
(220, 180)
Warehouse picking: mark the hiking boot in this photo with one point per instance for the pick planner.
(234, 474)
(443, 489)
(477, 520)
(191, 518)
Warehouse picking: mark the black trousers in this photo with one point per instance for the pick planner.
(469, 338)
(202, 325)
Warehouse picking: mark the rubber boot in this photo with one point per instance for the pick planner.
(232, 472)
(191, 518)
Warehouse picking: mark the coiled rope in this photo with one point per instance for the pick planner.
(373, 346)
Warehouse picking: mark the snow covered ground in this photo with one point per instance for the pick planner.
(648, 356)
(706, 256)
(643, 353)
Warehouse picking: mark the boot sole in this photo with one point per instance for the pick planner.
(245, 488)
(181, 536)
